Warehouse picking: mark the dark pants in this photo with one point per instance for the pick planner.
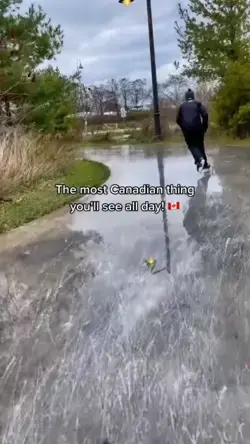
(195, 143)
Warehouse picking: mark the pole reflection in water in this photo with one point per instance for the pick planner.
(160, 162)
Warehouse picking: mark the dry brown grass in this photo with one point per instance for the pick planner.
(26, 158)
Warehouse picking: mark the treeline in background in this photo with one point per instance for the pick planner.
(216, 52)
(42, 105)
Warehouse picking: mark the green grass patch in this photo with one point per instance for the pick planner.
(30, 203)
(229, 142)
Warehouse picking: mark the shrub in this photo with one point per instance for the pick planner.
(138, 116)
(214, 131)
(147, 131)
(233, 95)
(25, 158)
(240, 123)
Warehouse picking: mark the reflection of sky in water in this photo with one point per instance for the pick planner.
(130, 237)
(214, 185)
(178, 170)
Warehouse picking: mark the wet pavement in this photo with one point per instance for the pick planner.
(94, 346)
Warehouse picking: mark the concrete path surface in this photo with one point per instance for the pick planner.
(93, 346)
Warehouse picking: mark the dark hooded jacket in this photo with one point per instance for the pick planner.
(192, 115)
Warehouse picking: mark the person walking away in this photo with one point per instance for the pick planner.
(192, 118)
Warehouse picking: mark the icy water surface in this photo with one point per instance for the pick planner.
(94, 346)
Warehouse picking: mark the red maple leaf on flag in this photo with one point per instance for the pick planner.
(174, 205)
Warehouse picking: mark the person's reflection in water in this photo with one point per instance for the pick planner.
(196, 214)
(202, 222)
(217, 229)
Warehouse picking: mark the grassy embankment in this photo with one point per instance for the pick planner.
(30, 167)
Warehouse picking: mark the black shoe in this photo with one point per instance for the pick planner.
(201, 165)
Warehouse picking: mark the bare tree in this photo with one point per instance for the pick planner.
(173, 89)
(205, 92)
(125, 88)
(99, 98)
(113, 96)
(139, 92)
(83, 99)
(84, 103)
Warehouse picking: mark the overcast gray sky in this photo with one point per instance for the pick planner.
(111, 40)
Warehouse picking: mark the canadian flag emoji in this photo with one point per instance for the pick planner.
(174, 205)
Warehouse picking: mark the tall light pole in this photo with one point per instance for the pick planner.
(157, 121)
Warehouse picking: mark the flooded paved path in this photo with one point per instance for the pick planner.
(94, 346)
